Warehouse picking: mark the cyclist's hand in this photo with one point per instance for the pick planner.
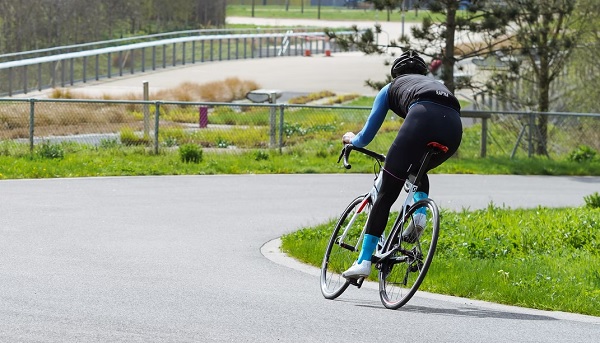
(347, 137)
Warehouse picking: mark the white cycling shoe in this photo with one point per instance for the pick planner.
(414, 230)
(358, 270)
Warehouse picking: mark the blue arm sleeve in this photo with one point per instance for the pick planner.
(375, 120)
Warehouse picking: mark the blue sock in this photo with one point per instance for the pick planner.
(418, 196)
(368, 246)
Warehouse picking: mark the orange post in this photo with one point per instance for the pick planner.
(307, 51)
(327, 48)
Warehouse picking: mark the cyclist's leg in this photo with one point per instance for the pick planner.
(436, 123)
(399, 158)
(389, 191)
(431, 123)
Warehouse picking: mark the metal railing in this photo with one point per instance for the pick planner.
(66, 69)
(239, 126)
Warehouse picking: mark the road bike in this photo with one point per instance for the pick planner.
(401, 262)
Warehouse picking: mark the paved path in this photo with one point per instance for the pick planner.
(178, 259)
(182, 259)
(342, 73)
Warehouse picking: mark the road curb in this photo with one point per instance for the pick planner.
(272, 251)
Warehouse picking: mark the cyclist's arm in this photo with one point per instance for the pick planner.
(375, 120)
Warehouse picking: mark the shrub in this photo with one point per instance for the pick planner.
(261, 156)
(222, 142)
(592, 200)
(109, 144)
(582, 153)
(190, 153)
(51, 151)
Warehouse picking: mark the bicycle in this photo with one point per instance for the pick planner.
(401, 263)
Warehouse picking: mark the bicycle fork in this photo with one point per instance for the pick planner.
(341, 241)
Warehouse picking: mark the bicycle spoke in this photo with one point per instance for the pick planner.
(402, 273)
(340, 254)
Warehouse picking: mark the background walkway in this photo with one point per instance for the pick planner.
(342, 73)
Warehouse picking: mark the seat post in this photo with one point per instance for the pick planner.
(432, 149)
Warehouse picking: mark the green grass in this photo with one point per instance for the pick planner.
(326, 13)
(311, 156)
(311, 144)
(538, 258)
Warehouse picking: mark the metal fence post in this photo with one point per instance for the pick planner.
(273, 121)
(146, 108)
(174, 53)
(121, 59)
(530, 135)
(10, 81)
(156, 120)
(25, 79)
(31, 123)
(84, 69)
(281, 107)
(108, 67)
(40, 76)
(97, 66)
(484, 130)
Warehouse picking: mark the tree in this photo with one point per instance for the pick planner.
(544, 37)
(29, 24)
(538, 38)
(483, 27)
(583, 68)
(483, 21)
(386, 5)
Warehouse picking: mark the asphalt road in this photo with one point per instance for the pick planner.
(195, 259)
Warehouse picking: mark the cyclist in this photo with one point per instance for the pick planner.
(431, 113)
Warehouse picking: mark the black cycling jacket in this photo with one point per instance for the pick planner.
(408, 89)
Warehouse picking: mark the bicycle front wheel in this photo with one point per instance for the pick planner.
(343, 247)
(401, 274)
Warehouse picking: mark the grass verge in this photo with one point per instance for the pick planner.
(114, 159)
(538, 258)
(324, 13)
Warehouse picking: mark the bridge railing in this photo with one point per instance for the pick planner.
(66, 69)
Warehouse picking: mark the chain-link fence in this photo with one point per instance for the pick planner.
(229, 127)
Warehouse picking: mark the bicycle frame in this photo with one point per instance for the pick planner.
(351, 223)
(397, 257)
(411, 186)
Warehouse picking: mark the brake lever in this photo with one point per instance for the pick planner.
(345, 153)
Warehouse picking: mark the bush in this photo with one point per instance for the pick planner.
(190, 153)
(109, 144)
(583, 153)
(592, 200)
(261, 156)
(51, 151)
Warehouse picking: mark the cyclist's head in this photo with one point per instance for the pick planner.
(409, 63)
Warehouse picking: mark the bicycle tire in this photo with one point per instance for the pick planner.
(402, 273)
(338, 258)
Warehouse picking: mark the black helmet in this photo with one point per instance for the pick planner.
(409, 63)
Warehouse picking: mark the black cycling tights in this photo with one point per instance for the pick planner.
(426, 122)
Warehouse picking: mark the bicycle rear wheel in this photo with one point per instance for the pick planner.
(343, 247)
(401, 274)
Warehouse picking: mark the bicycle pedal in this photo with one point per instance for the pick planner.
(357, 282)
